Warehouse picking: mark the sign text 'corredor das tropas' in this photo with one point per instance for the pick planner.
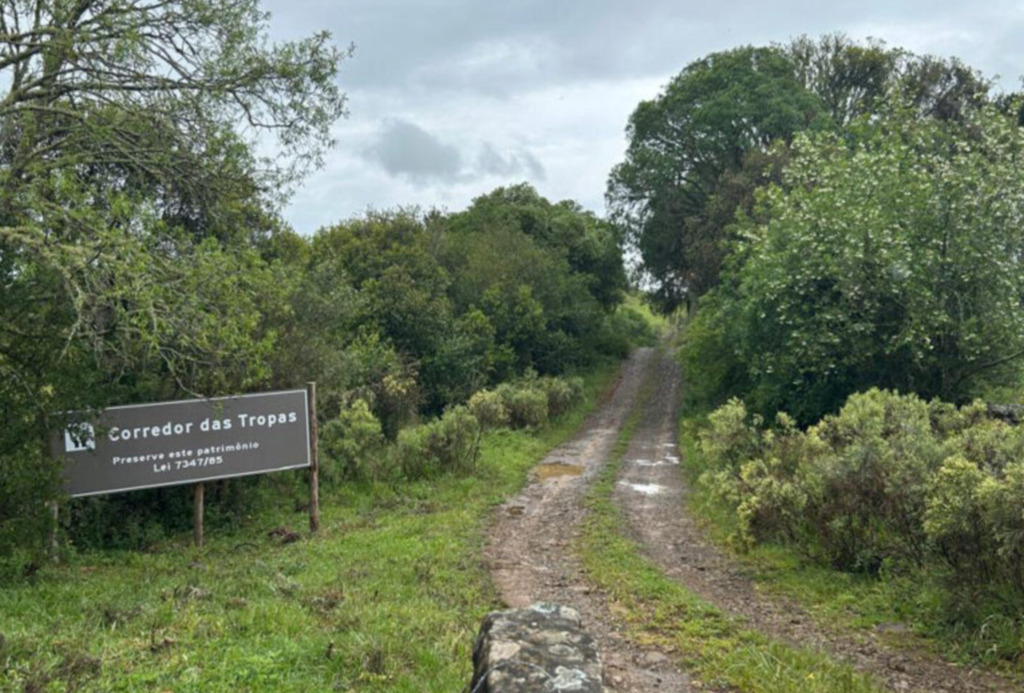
(188, 441)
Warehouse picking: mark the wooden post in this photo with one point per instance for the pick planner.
(52, 506)
(198, 515)
(314, 461)
(54, 524)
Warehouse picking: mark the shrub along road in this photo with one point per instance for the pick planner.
(539, 537)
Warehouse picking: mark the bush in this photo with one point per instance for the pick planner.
(975, 522)
(988, 444)
(773, 505)
(753, 470)
(562, 394)
(713, 371)
(732, 437)
(527, 404)
(1002, 502)
(450, 444)
(623, 330)
(352, 444)
(489, 409)
(853, 488)
(973, 517)
(632, 323)
(27, 480)
(868, 490)
(890, 480)
(954, 519)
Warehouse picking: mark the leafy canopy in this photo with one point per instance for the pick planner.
(721, 128)
(130, 192)
(683, 143)
(888, 257)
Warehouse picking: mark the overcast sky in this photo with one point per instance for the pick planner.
(449, 99)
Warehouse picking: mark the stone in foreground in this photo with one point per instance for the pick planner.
(540, 648)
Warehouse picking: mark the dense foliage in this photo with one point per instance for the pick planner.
(413, 313)
(354, 447)
(400, 317)
(891, 483)
(687, 167)
(721, 128)
(888, 256)
(142, 257)
(128, 205)
(847, 220)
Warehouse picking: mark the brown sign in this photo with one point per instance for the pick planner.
(168, 443)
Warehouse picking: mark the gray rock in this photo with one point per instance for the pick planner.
(540, 648)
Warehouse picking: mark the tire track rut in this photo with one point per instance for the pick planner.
(530, 551)
(530, 548)
(652, 493)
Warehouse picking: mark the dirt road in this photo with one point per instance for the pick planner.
(530, 550)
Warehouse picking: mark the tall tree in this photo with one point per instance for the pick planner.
(128, 178)
(119, 140)
(852, 79)
(546, 275)
(849, 78)
(890, 256)
(719, 130)
(682, 145)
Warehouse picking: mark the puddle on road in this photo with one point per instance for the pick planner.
(668, 460)
(550, 471)
(646, 489)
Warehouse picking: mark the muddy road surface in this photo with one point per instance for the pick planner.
(530, 550)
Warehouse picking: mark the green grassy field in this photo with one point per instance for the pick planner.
(388, 596)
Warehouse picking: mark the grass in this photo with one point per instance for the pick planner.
(712, 646)
(388, 596)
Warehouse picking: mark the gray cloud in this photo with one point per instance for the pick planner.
(491, 162)
(404, 149)
(498, 47)
(452, 97)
